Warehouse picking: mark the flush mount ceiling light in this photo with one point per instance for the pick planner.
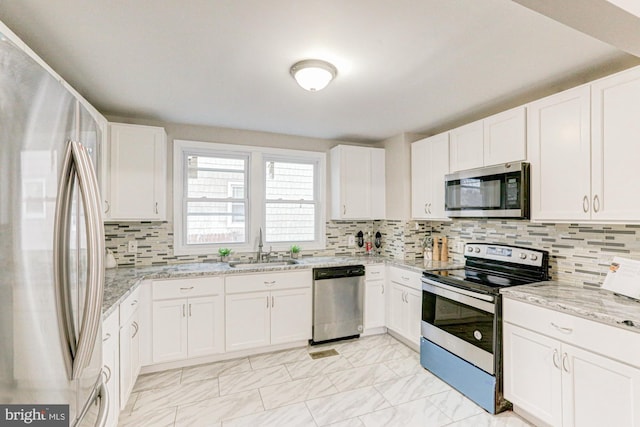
(313, 74)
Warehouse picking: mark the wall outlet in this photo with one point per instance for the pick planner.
(351, 241)
(417, 226)
(132, 246)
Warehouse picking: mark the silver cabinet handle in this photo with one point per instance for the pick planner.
(556, 358)
(585, 204)
(562, 329)
(108, 208)
(429, 209)
(596, 203)
(156, 207)
(77, 166)
(425, 208)
(383, 289)
(135, 301)
(271, 283)
(136, 327)
(267, 301)
(106, 337)
(273, 301)
(184, 310)
(565, 362)
(189, 310)
(344, 209)
(186, 289)
(107, 373)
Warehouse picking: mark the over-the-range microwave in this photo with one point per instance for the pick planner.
(491, 192)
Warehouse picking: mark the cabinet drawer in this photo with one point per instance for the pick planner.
(374, 272)
(609, 341)
(129, 306)
(267, 281)
(405, 277)
(187, 288)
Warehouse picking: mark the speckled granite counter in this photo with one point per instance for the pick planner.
(119, 282)
(590, 303)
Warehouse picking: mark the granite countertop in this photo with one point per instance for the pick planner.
(120, 282)
(591, 303)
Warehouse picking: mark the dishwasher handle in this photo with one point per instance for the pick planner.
(338, 272)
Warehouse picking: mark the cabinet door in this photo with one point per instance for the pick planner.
(532, 375)
(110, 358)
(247, 323)
(420, 178)
(374, 304)
(290, 315)
(137, 172)
(397, 308)
(135, 347)
(439, 167)
(125, 364)
(206, 325)
(598, 391)
(169, 330)
(615, 148)
(559, 153)
(413, 300)
(355, 191)
(505, 137)
(466, 147)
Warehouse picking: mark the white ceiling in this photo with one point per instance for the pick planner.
(403, 65)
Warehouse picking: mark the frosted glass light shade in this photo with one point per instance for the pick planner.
(312, 74)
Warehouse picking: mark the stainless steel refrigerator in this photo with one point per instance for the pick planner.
(51, 245)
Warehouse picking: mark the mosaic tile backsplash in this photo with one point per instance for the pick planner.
(579, 253)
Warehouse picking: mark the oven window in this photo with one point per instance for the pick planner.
(463, 321)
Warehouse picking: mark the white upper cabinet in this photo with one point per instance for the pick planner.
(467, 147)
(584, 151)
(498, 139)
(429, 165)
(615, 147)
(559, 153)
(505, 137)
(357, 182)
(137, 173)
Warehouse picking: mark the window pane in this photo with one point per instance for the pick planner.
(201, 162)
(215, 222)
(290, 222)
(216, 185)
(289, 181)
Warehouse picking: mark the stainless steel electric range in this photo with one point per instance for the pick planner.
(462, 318)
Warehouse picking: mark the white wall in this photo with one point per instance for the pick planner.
(398, 175)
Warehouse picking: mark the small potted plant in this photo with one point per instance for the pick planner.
(224, 254)
(295, 250)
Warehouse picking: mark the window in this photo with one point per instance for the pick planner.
(290, 201)
(225, 194)
(216, 201)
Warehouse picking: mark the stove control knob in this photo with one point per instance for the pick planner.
(523, 256)
(533, 257)
(469, 248)
(477, 250)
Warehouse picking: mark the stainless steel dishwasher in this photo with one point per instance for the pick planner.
(338, 301)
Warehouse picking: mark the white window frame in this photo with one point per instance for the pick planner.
(256, 189)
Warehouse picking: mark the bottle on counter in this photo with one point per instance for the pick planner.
(444, 252)
(436, 250)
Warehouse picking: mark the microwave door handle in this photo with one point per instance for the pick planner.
(60, 260)
(91, 317)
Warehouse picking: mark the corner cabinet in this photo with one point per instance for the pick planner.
(267, 308)
(188, 318)
(498, 139)
(429, 165)
(357, 182)
(136, 188)
(567, 371)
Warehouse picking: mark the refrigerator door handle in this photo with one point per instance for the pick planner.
(78, 164)
(100, 392)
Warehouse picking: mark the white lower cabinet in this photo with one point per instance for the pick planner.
(374, 297)
(110, 359)
(129, 340)
(566, 383)
(268, 308)
(188, 318)
(405, 303)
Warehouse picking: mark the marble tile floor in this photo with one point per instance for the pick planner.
(373, 381)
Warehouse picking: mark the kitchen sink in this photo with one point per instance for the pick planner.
(245, 264)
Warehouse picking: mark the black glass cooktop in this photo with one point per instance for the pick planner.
(483, 281)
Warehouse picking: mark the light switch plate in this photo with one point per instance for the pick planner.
(351, 241)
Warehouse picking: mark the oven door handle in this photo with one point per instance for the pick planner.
(479, 301)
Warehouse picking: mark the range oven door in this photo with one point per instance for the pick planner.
(460, 321)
